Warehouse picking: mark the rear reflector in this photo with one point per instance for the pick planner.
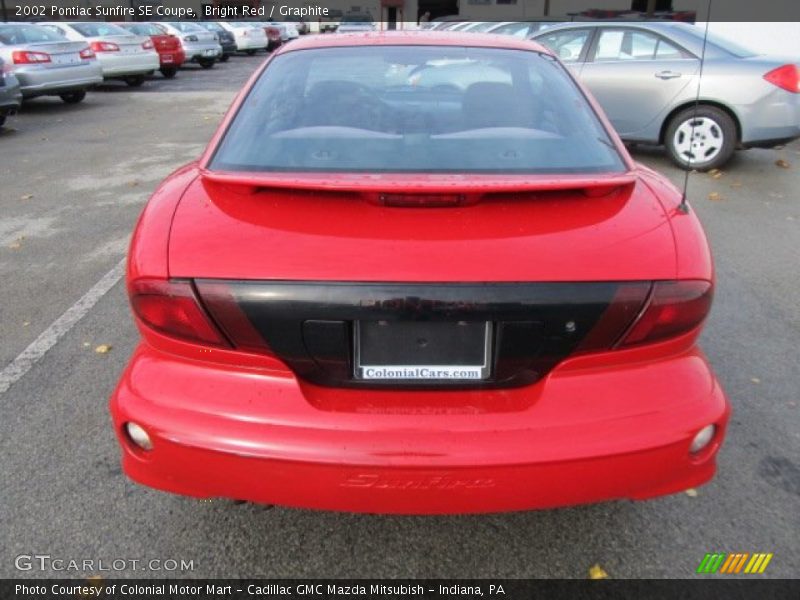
(786, 77)
(674, 308)
(172, 308)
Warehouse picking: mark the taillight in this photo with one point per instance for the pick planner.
(87, 53)
(786, 77)
(25, 57)
(104, 47)
(148, 45)
(674, 308)
(172, 308)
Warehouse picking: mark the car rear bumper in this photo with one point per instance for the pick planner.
(127, 64)
(40, 81)
(775, 118)
(174, 58)
(251, 43)
(202, 50)
(577, 436)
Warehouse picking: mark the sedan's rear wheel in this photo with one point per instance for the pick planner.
(169, 72)
(224, 58)
(135, 80)
(73, 97)
(250, 52)
(207, 63)
(2, 120)
(701, 139)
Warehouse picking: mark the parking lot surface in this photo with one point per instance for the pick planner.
(74, 178)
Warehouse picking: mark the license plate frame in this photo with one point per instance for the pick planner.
(473, 340)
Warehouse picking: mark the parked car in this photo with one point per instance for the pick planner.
(200, 45)
(646, 75)
(170, 53)
(355, 23)
(288, 30)
(46, 64)
(375, 295)
(225, 38)
(250, 37)
(120, 54)
(274, 39)
(10, 94)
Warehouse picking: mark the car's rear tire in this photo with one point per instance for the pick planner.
(73, 97)
(250, 52)
(207, 63)
(700, 139)
(169, 72)
(2, 120)
(135, 80)
(224, 58)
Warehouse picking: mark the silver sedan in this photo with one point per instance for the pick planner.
(46, 64)
(121, 54)
(646, 76)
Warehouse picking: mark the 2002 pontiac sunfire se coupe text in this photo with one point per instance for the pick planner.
(418, 273)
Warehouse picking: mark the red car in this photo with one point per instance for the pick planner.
(273, 37)
(170, 53)
(417, 272)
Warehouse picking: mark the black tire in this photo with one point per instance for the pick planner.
(135, 80)
(169, 72)
(73, 97)
(224, 58)
(714, 140)
(207, 63)
(2, 120)
(250, 52)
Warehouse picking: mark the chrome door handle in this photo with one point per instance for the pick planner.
(667, 75)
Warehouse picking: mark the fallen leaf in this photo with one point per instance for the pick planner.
(755, 380)
(597, 572)
(26, 323)
(736, 184)
(206, 118)
(86, 344)
(17, 243)
(715, 196)
(133, 183)
(26, 197)
(103, 349)
(715, 173)
(691, 492)
(782, 164)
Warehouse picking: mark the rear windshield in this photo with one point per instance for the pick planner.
(211, 26)
(416, 109)
(143, 29)
(13, 35)
(98, 29)
(185, 27)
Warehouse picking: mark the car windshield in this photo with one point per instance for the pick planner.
(13, 35)
(143, 29)
(98, 29)
(416, 109)
(210, 26)
(186, 27)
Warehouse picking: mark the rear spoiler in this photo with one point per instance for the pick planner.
(417, 189)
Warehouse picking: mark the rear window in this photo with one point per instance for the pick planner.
(143, 29)
(13, 35)
(98, 29)
(416, 109)
(186, 27)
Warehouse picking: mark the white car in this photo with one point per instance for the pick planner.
(199, 44)
(249, 36)
(121, 54)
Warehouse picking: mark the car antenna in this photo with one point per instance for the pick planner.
(683, 207)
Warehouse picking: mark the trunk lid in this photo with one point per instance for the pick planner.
(61, 53)
(325, 228)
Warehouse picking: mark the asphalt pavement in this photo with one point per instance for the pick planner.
(73, 179)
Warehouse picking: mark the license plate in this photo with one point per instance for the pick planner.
(166, 58)
(66, 59)
(419, 351)
(210, 53)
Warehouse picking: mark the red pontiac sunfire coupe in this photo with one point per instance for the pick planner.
(418, 273)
